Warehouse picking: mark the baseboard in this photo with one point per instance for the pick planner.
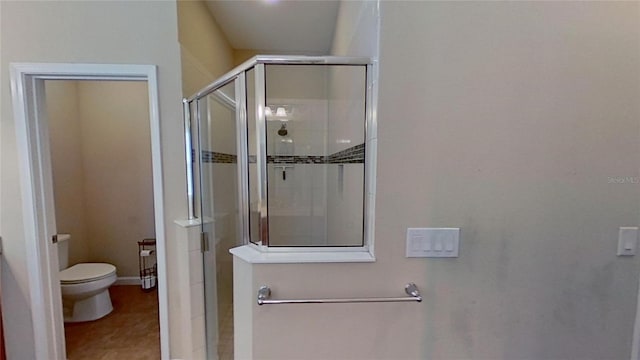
(635, 345)
(127, 280)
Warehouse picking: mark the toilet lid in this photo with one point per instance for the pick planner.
(86, 272)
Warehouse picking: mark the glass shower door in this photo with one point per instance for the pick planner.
(281, 148)
(219, 213)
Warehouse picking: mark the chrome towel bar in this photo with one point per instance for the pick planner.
(264, 297)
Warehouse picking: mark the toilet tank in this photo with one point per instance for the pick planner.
(63, 251)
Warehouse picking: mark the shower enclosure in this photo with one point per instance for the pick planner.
(280, 154)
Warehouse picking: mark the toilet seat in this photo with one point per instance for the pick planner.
(86, 272)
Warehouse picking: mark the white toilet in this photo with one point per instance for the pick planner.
(84, 286)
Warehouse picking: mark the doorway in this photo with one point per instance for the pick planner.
(29, 103)
(100, 151)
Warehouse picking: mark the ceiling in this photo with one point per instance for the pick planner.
(288, 26)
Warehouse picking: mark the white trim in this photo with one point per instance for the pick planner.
(45, 303)
(47, 336)
(251, 254)
(185, 223)
(158, 201)
(188, 223)
(635, 344)
(127, 280)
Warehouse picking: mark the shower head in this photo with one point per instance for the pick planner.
(283, 130)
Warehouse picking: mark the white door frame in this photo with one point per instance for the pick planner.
(27, 88)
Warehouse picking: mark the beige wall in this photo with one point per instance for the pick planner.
(205, 51)
(242, 55)
(118, 185)
(507, 120)
(101, 159)
(207, 55)
(65, 144)
(133, 32)
(101, 164)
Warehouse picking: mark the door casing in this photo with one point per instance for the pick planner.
(27, 88)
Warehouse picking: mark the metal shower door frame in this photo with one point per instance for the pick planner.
(238, 75)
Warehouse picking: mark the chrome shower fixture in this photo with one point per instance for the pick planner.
(283, 130)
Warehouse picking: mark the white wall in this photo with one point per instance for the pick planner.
(507, 120)
(524, 111)
(91, 32)
(191, 328)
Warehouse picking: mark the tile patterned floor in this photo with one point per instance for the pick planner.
(131, 331)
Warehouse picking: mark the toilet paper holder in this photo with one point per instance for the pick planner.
(147, 264)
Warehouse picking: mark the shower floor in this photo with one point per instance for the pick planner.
(130, 332)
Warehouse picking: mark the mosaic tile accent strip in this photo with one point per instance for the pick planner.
(352, 155)
(296, 159)
(218, 157)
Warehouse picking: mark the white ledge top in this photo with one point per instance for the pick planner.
(252, 255)
(185, 223)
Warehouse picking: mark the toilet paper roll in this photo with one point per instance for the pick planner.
(146, 252)
(148, 282)
(63, 237)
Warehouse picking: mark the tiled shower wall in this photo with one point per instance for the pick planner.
(345, 174)
(297, 184)
(316, 171)
(316, 194)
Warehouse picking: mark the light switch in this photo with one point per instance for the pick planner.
(432, 242)
(438, 246)
(449, 246)
(416, 244)
(627, 241)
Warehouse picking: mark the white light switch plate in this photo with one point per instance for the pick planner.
(433, 242)
(627, 241)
